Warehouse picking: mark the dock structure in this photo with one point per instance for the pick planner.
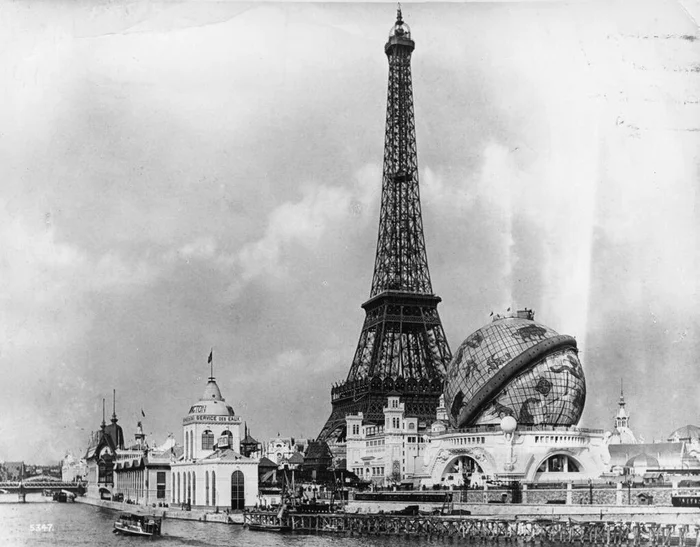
(472, 528)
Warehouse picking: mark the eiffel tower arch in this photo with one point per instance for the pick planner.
(402, 347)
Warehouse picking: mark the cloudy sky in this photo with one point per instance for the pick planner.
(177, 176)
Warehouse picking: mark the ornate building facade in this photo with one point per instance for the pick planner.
(142, 473)
(101, 455)
(213, 472)
(386, 453)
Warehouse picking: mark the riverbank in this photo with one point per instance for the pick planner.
(198, 515)
(638, 513)
(507, 511)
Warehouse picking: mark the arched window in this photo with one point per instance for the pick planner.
(559, 463)
(213, 488)
(237, 490)
(207, 440)
(187, 445)
(189, 487)
(206, 486)
(179, 498)
(191, 444)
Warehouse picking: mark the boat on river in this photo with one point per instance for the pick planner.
(268, 527)
(134, 524)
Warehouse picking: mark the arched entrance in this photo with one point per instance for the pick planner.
(237, 490)
(463, 470)
(559, 463)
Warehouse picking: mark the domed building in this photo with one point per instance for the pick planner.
(621, 433)
(679, 455)
(687, 433)
(213, 471)
(516, 367)
(515, 391)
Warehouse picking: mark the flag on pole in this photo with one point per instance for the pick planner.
(143, 413)
(211, 356)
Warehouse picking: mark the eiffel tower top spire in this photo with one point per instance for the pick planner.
(401, 263)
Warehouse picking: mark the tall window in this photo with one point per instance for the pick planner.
(194, 488)
(191, 444)
(160, 485)
(206, 487)
(237, 490)
(213, 487)
(187, 445)
(207, 440)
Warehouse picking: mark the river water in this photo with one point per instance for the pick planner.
(75, 524)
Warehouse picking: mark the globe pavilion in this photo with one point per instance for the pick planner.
(514, 393)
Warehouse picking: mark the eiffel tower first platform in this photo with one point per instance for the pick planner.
(402, 348)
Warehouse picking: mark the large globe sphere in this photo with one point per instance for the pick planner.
(515, 367)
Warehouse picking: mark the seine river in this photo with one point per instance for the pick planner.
(76, 524)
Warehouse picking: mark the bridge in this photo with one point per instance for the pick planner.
(29, 486)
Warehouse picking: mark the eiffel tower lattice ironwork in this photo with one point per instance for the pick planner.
(402, 347)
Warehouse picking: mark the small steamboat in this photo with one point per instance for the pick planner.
(133, 524)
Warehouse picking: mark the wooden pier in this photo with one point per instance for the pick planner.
(470, 528)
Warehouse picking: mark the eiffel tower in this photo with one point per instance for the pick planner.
(402, 348)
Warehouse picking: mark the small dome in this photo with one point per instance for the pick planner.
(515, 367)
(622, 435)
(400, 30)
(212, 391)
(643, 460)
(686, 433)
(212, 403)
